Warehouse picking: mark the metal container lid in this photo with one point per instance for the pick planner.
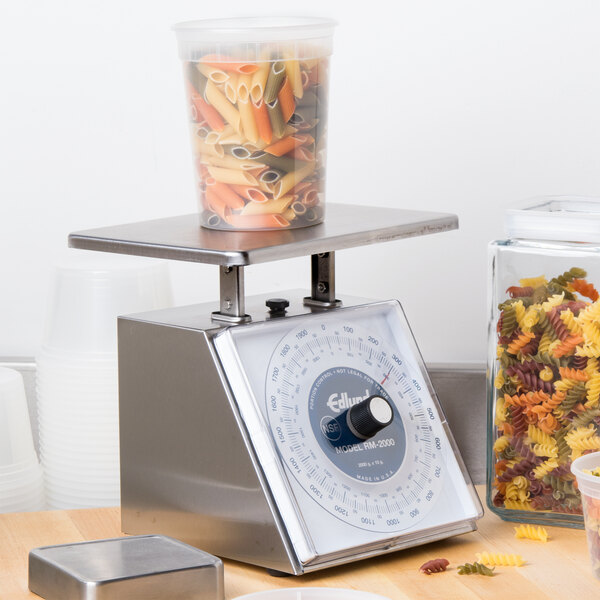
(558, 218)
(144, 567)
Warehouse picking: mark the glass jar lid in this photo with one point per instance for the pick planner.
(560, 218)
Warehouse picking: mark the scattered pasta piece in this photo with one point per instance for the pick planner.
(436, 565)
(530, 532)
(503, 560)
(474, 568)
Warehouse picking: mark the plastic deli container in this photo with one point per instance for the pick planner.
(544, 358)
(257, 96)
(587, 471)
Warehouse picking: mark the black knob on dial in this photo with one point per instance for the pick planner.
(277, 306)
(369, 417)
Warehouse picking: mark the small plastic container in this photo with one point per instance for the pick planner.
(544, 358)
(589, 488)
(257, 97)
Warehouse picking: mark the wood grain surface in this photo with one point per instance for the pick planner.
(559, 568)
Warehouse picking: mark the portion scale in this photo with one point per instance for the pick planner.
(296, 432)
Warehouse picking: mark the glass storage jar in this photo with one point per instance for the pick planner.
(544, 358)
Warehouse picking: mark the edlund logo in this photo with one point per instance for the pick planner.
(339, 402)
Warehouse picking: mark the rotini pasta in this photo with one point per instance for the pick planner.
(530, 532)
(474, 568)
(500, 560)
(547, 386)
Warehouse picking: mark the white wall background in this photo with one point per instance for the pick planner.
(445, 105)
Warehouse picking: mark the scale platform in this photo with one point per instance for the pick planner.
(182, 237)
(295, 438)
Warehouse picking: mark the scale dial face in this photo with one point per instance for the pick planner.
(320, 369)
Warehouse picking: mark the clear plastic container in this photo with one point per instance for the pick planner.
(587, 471)
(544, 358)
(257, 96)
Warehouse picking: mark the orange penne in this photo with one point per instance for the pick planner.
(222, 62)
(263, 123)
(302, 153)
(283, 146)
(286, 100)
(250, 193)
(208, 113)
(256, 221)
(287, 144)
(216, 204)
(225, 193)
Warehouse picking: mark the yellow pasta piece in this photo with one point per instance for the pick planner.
(225, 108)
(501, 443)
(228, 162)
(501, 560)
(517, 505)
(231, 176)
(533, 282)
(499, 381)
(259, 79)
(530, 532)
(275, 206)
(231, 88)
(212, 73)
(555, 300)
(287, 182)
(292, 70)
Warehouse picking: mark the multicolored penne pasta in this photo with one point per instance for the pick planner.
(258, 137)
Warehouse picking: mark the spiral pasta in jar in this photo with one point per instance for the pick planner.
(544, 359)
(257, 94)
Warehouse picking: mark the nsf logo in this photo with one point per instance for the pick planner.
(331, 429)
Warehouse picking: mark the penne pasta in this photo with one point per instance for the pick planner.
(212, 74)
(270, 206)
(244, 82)
(228, 162)
(302, 153)
(231, 88)
(276, 118)
(224, 63)
(258, 136)
(223, 106)
(201, 147)
(263, 123)
(216, 203)
(274, 81)
(292, 68)
(226, 194)
(250, 193)
(256, 221)
(283, 146)
(287, 182)
(259, 80)
(286, 100)
(249, 128)
(195, 78)
(235, 176)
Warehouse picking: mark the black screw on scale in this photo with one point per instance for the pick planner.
(222, 491)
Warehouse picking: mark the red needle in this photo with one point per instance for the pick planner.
(386, 377)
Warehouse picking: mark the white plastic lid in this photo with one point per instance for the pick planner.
(305, 37)
(587, 484)
(314, 593)
(560, 218)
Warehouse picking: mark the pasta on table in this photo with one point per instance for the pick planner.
(547, 410)
(258, 134)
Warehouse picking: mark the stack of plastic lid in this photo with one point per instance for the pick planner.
(77, 384)
(21, 482)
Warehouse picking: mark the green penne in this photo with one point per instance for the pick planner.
(196, 78)
(281, 163)
(274, 81)
(276, 118)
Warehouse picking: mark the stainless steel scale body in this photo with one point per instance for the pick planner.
(228, 445)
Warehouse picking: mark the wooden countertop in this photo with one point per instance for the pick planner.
(559, 568)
